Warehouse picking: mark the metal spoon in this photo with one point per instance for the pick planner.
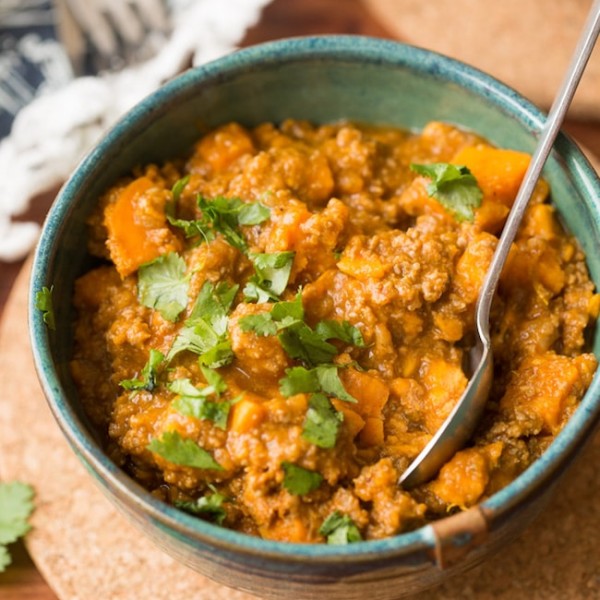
(460, 424)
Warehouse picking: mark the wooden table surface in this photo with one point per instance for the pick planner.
(282, 18)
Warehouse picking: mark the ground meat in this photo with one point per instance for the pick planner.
(307, 305)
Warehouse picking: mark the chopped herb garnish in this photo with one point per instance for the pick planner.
(182, 451)
(208, 507)
(322, 422)
(205, 332)
(224, 216)
(340, 529)
(16, 505)
(148, 378)
(43, 302)
(305, 344)
(178, 187)
(272, 273)
(323, 378)
(340, 330)
(193, 401)
(454, 187)
(300, 481)
(163, 285)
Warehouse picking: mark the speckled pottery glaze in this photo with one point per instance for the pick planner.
(320, 79)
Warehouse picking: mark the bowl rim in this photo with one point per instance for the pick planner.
(322, 47)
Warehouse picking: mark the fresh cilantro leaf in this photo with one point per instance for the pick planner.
(340, 330)
(340, 529)
(331, 384)
(208, 507)
(272, 273)
(163, 285)
(178, 187)
(262, 324)
(213, 304)
(299, 380)
(253, 213)
(205, 332)
(182, 451)
(300, 481)
(322, 422)
(305, 344)
(454, 187)
(5, 558)
(224, 216)
(16, 505)
(193, 402)
(199, 407)
(214, 380)
(323, 378)
(148, 379)
(283, 314)
(43, 302)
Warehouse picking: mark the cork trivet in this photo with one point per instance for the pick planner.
(525, 43)
(86, 550)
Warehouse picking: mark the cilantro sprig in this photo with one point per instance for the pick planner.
(340, 529)
(43, 302)
(148, 376)
(205, 331)
(163, 285)
(218, 215)
(182, 451)
(209, 507)
(322, 422)
(453, 186)
(194, 402)
(272, 273)
(298, 480)
(16, 505)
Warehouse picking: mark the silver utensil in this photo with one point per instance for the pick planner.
(460, 424)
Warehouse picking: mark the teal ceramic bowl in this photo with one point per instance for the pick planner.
(321, 79)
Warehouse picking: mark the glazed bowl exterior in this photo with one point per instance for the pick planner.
(321, 79)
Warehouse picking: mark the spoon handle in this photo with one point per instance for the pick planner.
(548, 135)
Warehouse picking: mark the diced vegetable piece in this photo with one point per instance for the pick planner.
(499, 172)
(472, 266)
(371, 393)
(462, 480)
(372, 433)
(137, 228)
(225, 145)
(353, 422)
(362, 268)
(246, 415)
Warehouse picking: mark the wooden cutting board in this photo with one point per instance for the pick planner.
(87, 551)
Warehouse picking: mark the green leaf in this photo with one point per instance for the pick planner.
(300, 481)
(199, 407)
(43, 302)
(305, 344)
(322, 422)
(178, 187)
(5, 558)
(340, 529)
(323, 378)
(163, 285)
(454, 187)
(193, 401)
(340, 330)
(272, 273)
(253, 214)
(283, 314)
(182, 451)
(205, 332)
(207, 507)
(261, 324)
(330, 382)
(16, 505)
(148, 379)
(299, 380)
